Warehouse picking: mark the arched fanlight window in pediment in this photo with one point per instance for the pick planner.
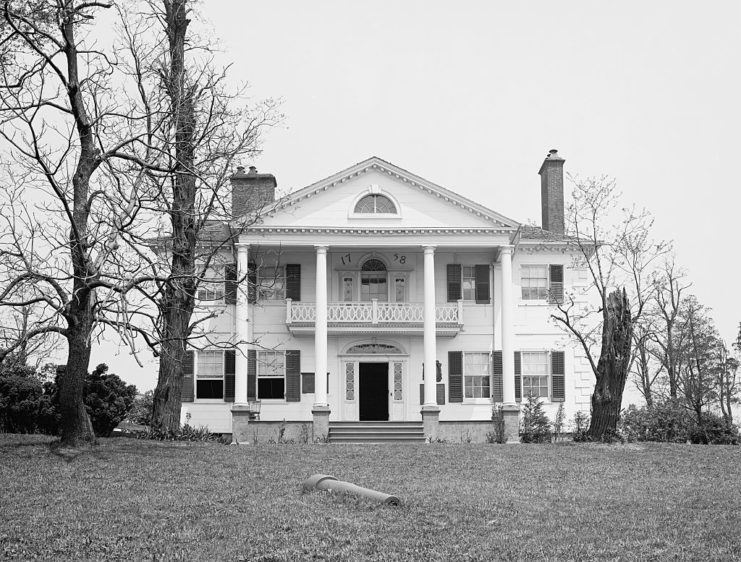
(373, 264)
(375, 204)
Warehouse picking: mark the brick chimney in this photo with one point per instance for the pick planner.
(551, 192)
(251, 191)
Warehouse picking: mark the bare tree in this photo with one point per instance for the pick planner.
(728, 384)
(201, 130)
(617, 256)
(73, 171)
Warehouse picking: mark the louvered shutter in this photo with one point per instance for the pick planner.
(555, 292)
(251, 374)
(252, 283)
(497, 369)
(230, 284)
(455, 376)
(307, 383)
(229, 370)
(454, 282)
(482, 284)
(518, 376)
(188, 364)
(558, 376)
(293, 281)
(440, 394)
(293, 375)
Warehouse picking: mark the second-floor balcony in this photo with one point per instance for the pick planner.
(374, 317)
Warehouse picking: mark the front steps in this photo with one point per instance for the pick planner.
(376, 432)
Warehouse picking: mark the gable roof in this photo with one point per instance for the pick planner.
(375, 163)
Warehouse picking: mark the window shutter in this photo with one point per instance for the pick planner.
(293, 281)
(187, 391)
(497, 388)
(455, 376)
(229, 370)
(421, 394)
(555, 293)
(307, 383)
(252, 283)
(440, 394)
(251, 374)
(518, 376)
(230, 284)
(293, 375)
(482, 284)
(454, 282)
(558, 376)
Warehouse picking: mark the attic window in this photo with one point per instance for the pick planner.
(376, 204)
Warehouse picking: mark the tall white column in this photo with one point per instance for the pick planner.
(507, 331)
(430, 335)
(242, 325)
(320, 334)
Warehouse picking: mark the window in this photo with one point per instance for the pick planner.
(376, 204)
(535, 371)
(211, 286)
(373, 281)
(476, 375)
(534, 282)
(469, 283)
(542, 282)
(272, 283)
(271, 375)
(210, 375)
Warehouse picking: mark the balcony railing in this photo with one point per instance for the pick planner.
(374, 316)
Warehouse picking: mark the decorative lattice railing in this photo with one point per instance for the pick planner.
(372, 313)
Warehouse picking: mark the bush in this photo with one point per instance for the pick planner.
(141, 411)
(558, 422)
(107, 400)
(712, 430)
(28, 406)
(20, 397)
(535, 425)
(666, 421)
(580, 425)
(497, 417)
(185, 433)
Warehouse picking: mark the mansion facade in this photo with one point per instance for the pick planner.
(377, 296)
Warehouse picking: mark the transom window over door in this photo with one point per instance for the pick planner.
(375, 204)
(373, 281)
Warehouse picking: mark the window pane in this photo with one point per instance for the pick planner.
(210, 364)
(477, 375)
(375, 204)
(347, 288)
(468, 283)
(534, 282)
(211, 286)
(270, 364)
(210, 388)
(271, 281)
(270, 388)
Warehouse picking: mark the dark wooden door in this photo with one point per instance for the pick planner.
(374, 392)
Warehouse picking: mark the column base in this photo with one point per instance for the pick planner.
(320, 425)
(511, 414)
(430, 422)
(241, 416)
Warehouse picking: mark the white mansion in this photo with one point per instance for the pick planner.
(417, 306)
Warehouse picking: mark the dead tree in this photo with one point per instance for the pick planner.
(617, 256)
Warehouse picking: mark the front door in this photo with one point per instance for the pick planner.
(374, 391)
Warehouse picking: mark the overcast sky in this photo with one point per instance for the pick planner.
(472, 95)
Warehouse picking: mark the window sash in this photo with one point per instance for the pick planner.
(534, 282)
(272, 283)
(535, 373)
(476, 375)
(468, 283)
(210, 365)
(211, 285)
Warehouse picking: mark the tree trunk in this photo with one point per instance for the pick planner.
(77, 430)
(178, 299)
(612, 368)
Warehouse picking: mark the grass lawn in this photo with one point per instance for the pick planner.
(140, 500)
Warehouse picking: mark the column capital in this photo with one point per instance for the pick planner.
(429, 249)
(506, 249)
(321, 248)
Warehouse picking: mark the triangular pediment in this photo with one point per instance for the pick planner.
(332, 202)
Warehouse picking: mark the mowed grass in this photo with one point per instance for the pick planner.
(140, 500)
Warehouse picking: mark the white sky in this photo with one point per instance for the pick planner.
(472, 95)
